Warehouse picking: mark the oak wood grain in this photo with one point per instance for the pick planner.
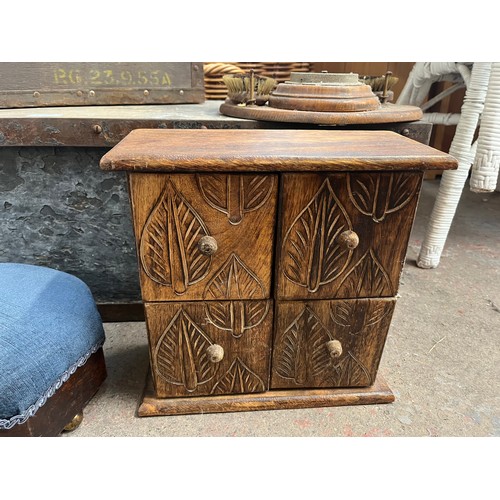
(150, 405)
(171, 213)
(271, 150)
(315, 210)
(180, 334)
(304, 330)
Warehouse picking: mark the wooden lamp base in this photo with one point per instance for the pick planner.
(150, 406)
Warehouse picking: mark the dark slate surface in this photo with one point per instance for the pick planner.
(58, 209)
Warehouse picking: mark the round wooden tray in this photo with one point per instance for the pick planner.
(386, 113)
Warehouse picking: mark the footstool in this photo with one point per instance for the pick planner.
(51, 357)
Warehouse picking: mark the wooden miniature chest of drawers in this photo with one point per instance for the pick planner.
(269, 261)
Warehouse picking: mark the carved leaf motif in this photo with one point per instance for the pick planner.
(362, 191)
(350, 372)
(238, 379)
(180, 356)
(214, 190)
(403, 189)
(376, 313)
(355, 316)
(234, 280)
(367, 278)
(168, 249)
(379, 195)
(257, 189)
(302, 353)
(311, 255)
(235, 194)
(236, 316)
(342, 312)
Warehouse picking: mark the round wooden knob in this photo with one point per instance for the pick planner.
(334, 348)
(207, 245)
(215, 353)
(348, 239)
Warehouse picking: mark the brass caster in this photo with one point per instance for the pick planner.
(75, 423)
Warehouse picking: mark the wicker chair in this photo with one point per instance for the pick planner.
(481, 108)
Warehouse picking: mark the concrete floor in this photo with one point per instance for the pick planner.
(442, 356)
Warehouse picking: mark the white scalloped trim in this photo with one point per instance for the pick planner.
(20, 419)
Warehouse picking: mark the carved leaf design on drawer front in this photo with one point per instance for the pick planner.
(237, 316)
(357, 315)
(235, 280)
(302, 355)
(367, 278)
(180, 357)
(349, 371)
(238, 379)
(302, 352)
(235, 194)
(379, 195)
(168, 249)
(311, 255)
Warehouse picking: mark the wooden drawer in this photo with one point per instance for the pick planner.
(318, 210)
(172, 213)
(335, 343)
(187, 340)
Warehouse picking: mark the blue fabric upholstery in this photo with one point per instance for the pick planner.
(49, 325)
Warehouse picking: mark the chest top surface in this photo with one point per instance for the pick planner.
(179, 150)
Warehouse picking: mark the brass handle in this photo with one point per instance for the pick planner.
(215, 353)
(334, 348)
(207, 245)
(348, 239)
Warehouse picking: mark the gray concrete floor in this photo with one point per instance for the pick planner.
(442, 356)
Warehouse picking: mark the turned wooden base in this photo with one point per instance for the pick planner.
(150, 406)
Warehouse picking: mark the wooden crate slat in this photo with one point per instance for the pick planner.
(39, 84)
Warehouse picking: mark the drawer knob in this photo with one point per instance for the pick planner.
(215, 353)
(334, 348)
(348, 239)
(207, 245)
